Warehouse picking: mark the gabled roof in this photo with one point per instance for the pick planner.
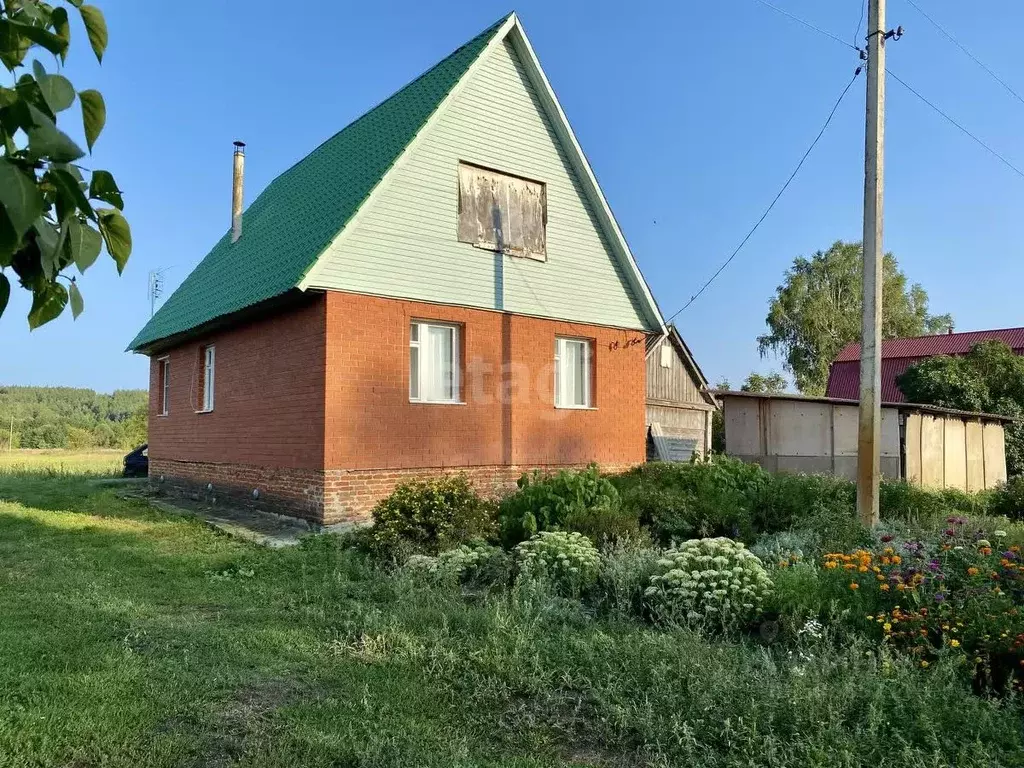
(291, 223)
(940, 344)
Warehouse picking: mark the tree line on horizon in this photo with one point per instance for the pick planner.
(72, 418)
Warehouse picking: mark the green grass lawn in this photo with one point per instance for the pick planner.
(57, 461)
(134, 638)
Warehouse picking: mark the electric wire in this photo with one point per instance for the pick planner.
(808, 24)
(940, 112)
(860, 23)
(966, 132)
(970, 55)
(768, 210)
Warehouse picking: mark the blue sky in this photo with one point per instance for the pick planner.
(692, 116)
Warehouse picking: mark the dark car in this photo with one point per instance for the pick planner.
(136, 463)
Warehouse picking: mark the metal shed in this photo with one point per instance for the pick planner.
(679, 401)
(922, 444)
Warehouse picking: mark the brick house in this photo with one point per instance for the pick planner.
(441, 286)
(899, 354)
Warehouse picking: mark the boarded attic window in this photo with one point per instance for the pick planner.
(501, 212)
(666, 355)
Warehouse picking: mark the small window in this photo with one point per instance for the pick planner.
(572, 373)
(433, 363)
(209, 376)
(503, 213)
(165, 386)
(666, 355)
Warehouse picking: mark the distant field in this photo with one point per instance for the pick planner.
(94, 462)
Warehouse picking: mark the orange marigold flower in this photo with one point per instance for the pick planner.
(972, 571)
(854, 585)
(863, 569)
(884, 587)
(901, 587)
(897, 559)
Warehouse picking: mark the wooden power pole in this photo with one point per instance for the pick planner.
(870, 426)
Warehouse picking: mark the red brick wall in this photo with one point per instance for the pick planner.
(312, 405)
(506, 418)
(268, 395)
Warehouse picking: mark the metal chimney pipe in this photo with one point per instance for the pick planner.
(236, 191)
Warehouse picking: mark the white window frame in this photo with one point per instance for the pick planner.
(562, 397)
(424, 362)
(209, 376)
(165, 385)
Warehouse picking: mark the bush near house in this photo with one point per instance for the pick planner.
(430, 516)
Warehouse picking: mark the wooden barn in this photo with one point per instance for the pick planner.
(679, 402)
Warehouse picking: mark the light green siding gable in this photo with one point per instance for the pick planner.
(404, 243)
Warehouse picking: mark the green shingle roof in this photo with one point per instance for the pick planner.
(298, 215)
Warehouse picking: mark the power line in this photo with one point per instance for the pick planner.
(970, 55)
(960, 127)
(860, 23)
(966, 132)
(768, 210)
(808, 24)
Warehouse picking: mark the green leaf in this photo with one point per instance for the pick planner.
(59, 21)
(47, 303)
(58, 93)
(19, 196)
(5, 292)
(13, 46)
(117, 235)
(94, 115)
(83, 243)
(43, 37)
(96, 28)
(103, 187)
(7, 97)
(68, 186)
(48, 242)
(46, 141)
(9, 240)
(76, 3)
(77, 303)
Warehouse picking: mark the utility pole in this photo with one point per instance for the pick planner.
(870, 421)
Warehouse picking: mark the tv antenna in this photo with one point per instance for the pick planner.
(156, 287)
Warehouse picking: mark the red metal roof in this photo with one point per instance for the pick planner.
(844, 379)
(941, 344)
(900, 354)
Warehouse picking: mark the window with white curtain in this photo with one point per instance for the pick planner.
(165, 385)
(209, 358)
(572, 373)
(433, 362)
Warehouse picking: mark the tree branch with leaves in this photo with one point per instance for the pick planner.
(49, 224)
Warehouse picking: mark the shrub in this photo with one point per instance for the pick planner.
(568, 561)
(581, 501)
(900, 500)
(476, 563)
(709, 580)
(787, 500)
(715, 497)
(429, 516)
(1008, 499)
(626, 570)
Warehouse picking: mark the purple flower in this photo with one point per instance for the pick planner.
(939, 597)
(949, 532)
(933, 565)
